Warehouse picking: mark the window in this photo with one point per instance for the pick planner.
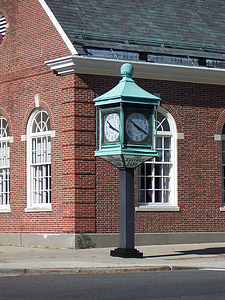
(223, 165)
(4, 165)
(157, 176)
(2, 27)
(39, 161)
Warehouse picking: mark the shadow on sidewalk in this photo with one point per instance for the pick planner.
(206, 251)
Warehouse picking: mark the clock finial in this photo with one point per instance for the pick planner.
(126, 70)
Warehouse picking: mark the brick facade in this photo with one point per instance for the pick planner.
(85, 189)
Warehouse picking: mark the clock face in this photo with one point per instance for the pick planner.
(137, 126)
(111, 127)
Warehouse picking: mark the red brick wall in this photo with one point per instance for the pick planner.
(85, 189)
(199, 113)
(28, 43)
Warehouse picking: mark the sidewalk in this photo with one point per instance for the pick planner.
(159, 257)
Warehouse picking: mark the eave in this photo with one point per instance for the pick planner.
(111, 67)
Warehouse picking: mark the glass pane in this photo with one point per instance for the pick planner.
(49, 150)
(223, 130)
(166, 126)
(159, 158)
(158, 182)
(149, 183)
(167, 155)
(166, 196)
(149, 169)
(159, 143)
(149, 194)
(167, 143)
(223, 145)
(166, 183)
(142, 182)
(223, 157)
(158, 196)
(223, 171)
(166, 170)
(41, 122)
(158, 169)
(141, 196)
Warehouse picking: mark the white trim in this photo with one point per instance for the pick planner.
(53, 133)
(37, 209)
(58, 27)
(157, 208)
(23, 138)
(30, 205)
(110, 67)
(5, 208)
(217, 137)
(180, 136)
(37, 100)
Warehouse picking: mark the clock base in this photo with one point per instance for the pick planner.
(126, 253)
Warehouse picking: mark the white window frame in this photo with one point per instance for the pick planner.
(172, 204)
(2, 25)
(42, 135)
(5, 139)
(223, 168)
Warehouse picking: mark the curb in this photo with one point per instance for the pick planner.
(94, 270)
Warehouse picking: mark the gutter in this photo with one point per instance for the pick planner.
(146, 70)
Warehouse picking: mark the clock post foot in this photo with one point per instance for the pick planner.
(126, 253)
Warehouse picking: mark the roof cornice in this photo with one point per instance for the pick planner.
(111, 67)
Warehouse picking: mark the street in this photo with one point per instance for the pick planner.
(171, 285)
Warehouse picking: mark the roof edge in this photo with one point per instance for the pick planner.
(58, 27)
(111, 67)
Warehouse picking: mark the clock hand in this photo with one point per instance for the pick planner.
(113, 128)
(139, 128)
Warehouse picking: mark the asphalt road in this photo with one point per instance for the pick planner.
(182, 285)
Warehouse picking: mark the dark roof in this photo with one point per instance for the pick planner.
(190, 28)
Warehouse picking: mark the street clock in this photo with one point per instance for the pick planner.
(125, 126)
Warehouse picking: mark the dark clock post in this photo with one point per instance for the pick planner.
(125, 130)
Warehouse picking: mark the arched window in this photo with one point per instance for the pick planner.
(4, 164)
(2, 27)
(157, 176)
(39, 160)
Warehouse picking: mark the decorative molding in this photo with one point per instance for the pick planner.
(217, 137)
(110, 67)
(38, 209)
(37, 100)
(157, 208)
(5, 210)
(23, 138)
(180, 136)
(53, 133)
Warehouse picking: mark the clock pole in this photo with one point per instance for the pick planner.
(126, 138)
(126, 216)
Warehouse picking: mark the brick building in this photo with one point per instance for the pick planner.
(51, 185)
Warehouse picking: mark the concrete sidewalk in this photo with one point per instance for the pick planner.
(159, 257)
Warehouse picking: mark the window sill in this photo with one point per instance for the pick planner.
(157, 208)
(38, 209)
(5, 210)
(222, 208)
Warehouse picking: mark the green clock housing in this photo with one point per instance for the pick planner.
(125, 123)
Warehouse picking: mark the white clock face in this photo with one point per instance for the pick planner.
(137, 127)
(112, 127)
